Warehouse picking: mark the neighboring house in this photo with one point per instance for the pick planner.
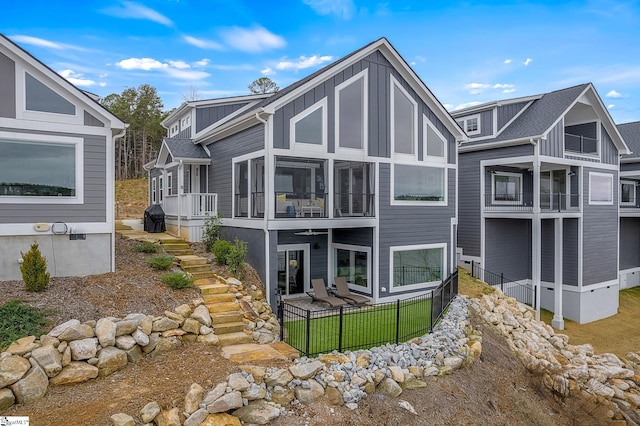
(630, 207)
(349, 172)
(538, 198)
(56, 170)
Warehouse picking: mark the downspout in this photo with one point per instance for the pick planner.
(265, 228)
(113, 232)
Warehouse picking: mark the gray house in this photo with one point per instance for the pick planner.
(538, 198)
(349, 172)
(630, 207)
(56, 170)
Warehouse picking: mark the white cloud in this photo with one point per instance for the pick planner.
(476, 88)
(140, 64)
(303, 62)
(613, 94)
(507, 61)
(202, 43)
(506, 88)
(527, 61)
(448, 106)
(466, 105)
(252, 40)
(611, 106)
(133, 10)
(102, 84)
(343, 9)
(267, 71)
(202, 62)
(191, 75)
(76, 79)
(35, 41)
(181, 65)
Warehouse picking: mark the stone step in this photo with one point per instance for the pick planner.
(234, 338)
(196, 268)
(199, 275)
(226, 317)
(210, 299)
(228, 327)
(215, 288)
(223, 307)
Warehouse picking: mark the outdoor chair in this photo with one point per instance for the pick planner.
(342, 291)
(320, 294)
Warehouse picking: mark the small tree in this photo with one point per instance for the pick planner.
(211, 231)
(34, 269)
(263, 85)
(236, 257)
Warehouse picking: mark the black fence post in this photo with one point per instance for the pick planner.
(308, 332)
(340, 330)
(502, 281)
(397, 321)
(473, 268)
(281, 319)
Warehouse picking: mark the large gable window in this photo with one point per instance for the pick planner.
(351, 112)
(309, 127)
(600, 188)
(435, 143)
(404, 120)
(419, 183)
(41, 98)
(40, 169)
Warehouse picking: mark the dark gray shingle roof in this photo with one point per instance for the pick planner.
(631, 134)
(185, 148)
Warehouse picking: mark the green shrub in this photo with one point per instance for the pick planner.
(34, 269)
(211, 231)
(160, 263)
(177, 280)
(146, 247)
(221, 249)
(18, 320)
(236, 257)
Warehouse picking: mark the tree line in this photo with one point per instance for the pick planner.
(142, 109)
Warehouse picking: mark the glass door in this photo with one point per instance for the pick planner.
(293, 269)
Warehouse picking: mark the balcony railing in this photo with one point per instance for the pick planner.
(352, 204)
(549, 202)
(580, 144)
(190, 206)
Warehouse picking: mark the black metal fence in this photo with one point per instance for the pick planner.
(522, 293)
(360, 327)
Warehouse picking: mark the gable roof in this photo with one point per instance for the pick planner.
(631, 134)
(88, 100)
(544, 112)
(182, 150)
(267, 106)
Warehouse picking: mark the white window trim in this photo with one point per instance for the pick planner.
(633, 200)
(350, 247)
(395, 83)
(469, 118)
(185, 122)
(154, 191)
(395, 202)
(78, 144)
(308, 147)
(419, 286)
(426, 123)
(161, 189)
(170, 183)
(364, 74)
(21, 102)
(608, 176)
(493, 188)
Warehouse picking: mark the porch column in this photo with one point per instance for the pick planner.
(536, 244)
(558, 320)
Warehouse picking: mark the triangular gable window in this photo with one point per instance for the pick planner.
(41, 98)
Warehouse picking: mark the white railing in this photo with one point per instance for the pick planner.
(191, 206)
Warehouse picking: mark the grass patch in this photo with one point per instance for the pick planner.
(472, 287)
(18, 320)
(177, 280)
(160, 263)
(362, 328)
(146, 247)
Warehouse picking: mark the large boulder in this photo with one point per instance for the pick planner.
(59, 329)
(106, 332)
(257, 412)
(149, 412)
(12, 369)
(49, 359)
(202, 315)
(307, 370)
(168, 418)
(75, 372)
(226, 402)
(76, 332)
(193, 398)
(7, 398)
(310, 394)
(111, 359)
(122, 419)
(22, 346)
(31, 387)
(83, 349)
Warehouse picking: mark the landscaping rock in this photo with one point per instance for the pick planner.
(226, 402)
(202, 315)
(197, 417)
(126, 327)
(309, 395)
(83, 349)
(238, 382)
(257, 412)
(12, 369)
(193, 399)
(214, 394)
(164, 324)
(168, 418)
(149, 412)
(126, 342)
(280, 377)
(76, 332)
(111, 359)
(222, 419)
(256, 372)
(49, 359)
(57, 330)
(282, 395)
(191, 325)
(122, 419)
(134, 354)
(22, 346)
(7, 398)
(255, 392)
(305, 371)
(390, 387)
(106, 332)
(75, 372)
(32, 386)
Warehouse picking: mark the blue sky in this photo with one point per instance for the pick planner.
(466, 52)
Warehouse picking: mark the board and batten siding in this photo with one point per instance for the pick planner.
(610, 153)
(469, 193)
(206, 116)
(7, 87)
(222, 154)
(570, 251)
(185, 134)
(629, 242)
(89, 120)
(508, 248)
(486, 123)
(507, 112)
(379, 108)
(553, 145)
(95, 190)
(411, 225)
(600, 235)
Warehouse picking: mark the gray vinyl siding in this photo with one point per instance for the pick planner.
(222, 154)
(95, 192)
(206, 116)
(379, 89)
(486, 124)
(272, 270)
(547, 249)
(469, 193)
(7, 87)
(354, 236)
(507, 112)
(629, 242)
(629, 167)
(553, 146)
(609, 151)
(185, 134)
(508, 248)
(203, 179)
(255, 246)
(600, 235)
(570, 251)
(411, 225)
(90, 120)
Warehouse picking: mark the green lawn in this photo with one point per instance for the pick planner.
(364, 327)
